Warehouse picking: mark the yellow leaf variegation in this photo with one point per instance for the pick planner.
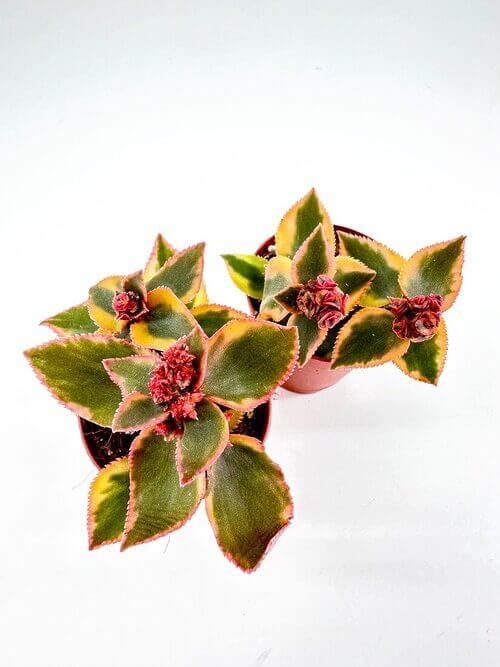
(108, 501)
(299, 222)
(277, 278)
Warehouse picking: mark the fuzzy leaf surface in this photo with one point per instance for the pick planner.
(353, 278)
(315, 257)
(385, 262)
(247, 360)
(162, 250)
(135, 412)
(108, 500)
(75, 320)
(247, 273)
(367, 339)
(436, 269)
(310, 336)
(100, 304)
(248, 502)
(182, 273)
(278, 277)
(299, 222)
(202, 442)
(168, 320)
(131, 373)
(424, 361)
(158, 503)
(72, 370)
(211, 317)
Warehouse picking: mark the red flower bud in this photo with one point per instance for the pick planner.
(322, 299)
(416, 318)
(128, 306)
(170, 385)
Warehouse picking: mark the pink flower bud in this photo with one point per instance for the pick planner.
(322, 299)
(128, 306)
(416, 318)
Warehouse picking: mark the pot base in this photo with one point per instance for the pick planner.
(314, 376)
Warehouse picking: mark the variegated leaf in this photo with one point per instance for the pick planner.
(168, 320)
(367, 339)
(131, 373)
(248, 502)
(72, 370)
(353, 278)
(182, 273)
(247, 273)
(424, 361)
(158, 503)
(137, 411)
(310, 336)
(299, 222)
(315, 257)
(108, 500)
(100, 304)
(75, 320)
(162, 250)
(436, 269)
(247, 361)
(288, 298)
(135, 283)
(278, 277)
(385, 262)
(202, 442)
(211, 317)
(200, 299)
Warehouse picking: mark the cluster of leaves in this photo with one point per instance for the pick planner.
(376, 295)
(101, 367)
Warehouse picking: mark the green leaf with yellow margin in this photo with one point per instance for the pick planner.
(75, 320)
(108, 500)
(247, 360)
(200, 299)
(131, 373)
(167, 321)
(182, 273)
(248, 502)
(137, 411)
(299, 222)
(100, 304)
(288, 298)
(315, 257)
(247, 273)
(211, 317)
(367, 339)
(353, 278)
(310, 336)
(278, 277)
(436, 269)
(202, 441)
(424, 361)
(72, 370)
(162, 251)
(385, 262)
(158, 503)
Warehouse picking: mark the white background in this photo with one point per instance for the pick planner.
(205, 121)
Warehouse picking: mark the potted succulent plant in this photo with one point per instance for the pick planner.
(296, 277)
(138, 362)
(401, 318)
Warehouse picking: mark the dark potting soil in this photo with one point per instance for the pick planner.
(106, 446)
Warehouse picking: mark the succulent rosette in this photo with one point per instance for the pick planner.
(401, 319)
(143, 363)
(305, 281)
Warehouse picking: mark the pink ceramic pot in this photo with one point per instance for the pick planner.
(316, 374)
(103, 446)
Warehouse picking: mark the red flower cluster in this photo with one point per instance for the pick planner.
(128, 305)
(170, 385)
(416, 318)
(323, 300)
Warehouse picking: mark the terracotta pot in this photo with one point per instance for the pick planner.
(316, 374)
(103, 446)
